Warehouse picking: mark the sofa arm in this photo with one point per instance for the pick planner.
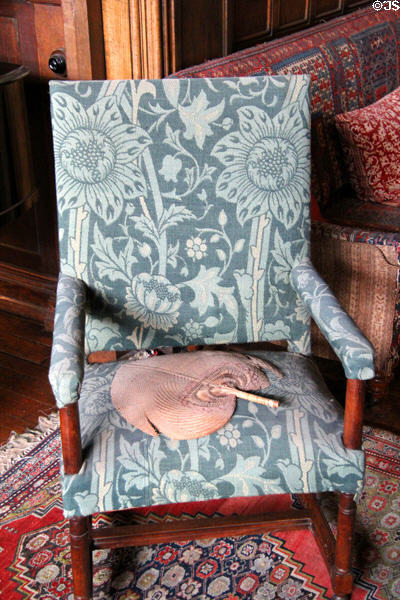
(67, 355)
(365, 235)
(352, 348)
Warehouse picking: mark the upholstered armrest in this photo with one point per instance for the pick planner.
(353, 349)
(67, 356)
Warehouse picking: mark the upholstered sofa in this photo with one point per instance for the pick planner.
(353, 61)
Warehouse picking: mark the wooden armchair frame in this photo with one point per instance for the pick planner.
(337, 554)
(262, 225)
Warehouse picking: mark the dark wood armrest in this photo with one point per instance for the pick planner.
(353, 413)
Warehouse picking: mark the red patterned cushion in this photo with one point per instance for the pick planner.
(371, 144)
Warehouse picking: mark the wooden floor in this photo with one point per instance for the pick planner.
(25, 393)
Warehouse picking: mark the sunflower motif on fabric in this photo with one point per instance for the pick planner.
(191, 485)
(266, 164)
(96, 151)
(154, 301)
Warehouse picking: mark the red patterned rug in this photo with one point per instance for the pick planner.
(35, 560)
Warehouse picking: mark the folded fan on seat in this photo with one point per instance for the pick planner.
(183, 395)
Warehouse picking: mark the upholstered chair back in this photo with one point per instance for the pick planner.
(184, 205)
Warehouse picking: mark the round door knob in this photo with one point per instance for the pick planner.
(57, 62)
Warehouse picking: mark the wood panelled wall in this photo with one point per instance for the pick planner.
(30, 31)
(153, 38)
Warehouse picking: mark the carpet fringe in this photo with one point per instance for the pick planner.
(18, 445)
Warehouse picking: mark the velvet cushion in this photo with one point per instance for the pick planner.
(371, 143)
(297, 447)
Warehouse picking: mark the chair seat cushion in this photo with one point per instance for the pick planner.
(296, 448)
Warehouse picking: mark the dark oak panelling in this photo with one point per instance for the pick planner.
(326, 8)
(257, 21)
(30, 31)
(275, 18)
(201, 37)
(290, 14)
(163, 36)
(9, 40)
(83, 35)
(49, 35)
(28, 248)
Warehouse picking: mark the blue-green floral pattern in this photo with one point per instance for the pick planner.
(183, 211)
(266, 164)
(353, 349)
(295, 448)
(94, 152)
(170, 194)
(67, 352)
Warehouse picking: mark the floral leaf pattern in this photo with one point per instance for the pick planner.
(170, 193)
(353, 349)
(297, 447)
(266, 164)
(67, 353)
(92, 149)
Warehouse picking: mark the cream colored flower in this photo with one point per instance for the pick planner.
(154, 301)
(95, 154)
(229, 435)
(170, 168)
(196, 248)
(197, 118)
(267, 164)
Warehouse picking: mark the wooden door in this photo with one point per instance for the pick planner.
(30, 31)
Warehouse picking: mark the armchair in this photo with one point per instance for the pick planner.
(184, 219)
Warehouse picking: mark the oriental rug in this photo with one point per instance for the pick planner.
(35, 559)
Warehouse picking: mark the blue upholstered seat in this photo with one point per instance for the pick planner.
(294, 448)
(184, 219)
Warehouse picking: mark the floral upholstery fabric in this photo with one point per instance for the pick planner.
(352, 348)
(294, 448)
(171, 193)
(67, 352)
(370, 138)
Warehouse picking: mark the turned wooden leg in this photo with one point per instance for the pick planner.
(342, 578)
(81, 557)
(378, 387)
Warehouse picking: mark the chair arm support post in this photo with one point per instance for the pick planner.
(71, 439)
(353, 414)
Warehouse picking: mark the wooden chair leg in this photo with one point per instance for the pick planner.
(81, 557)
(342, 578)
